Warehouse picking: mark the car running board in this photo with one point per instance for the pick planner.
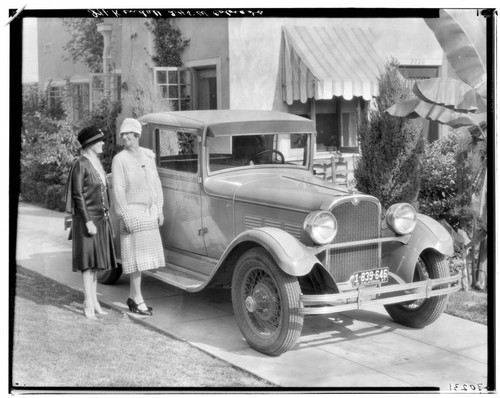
(182, 279)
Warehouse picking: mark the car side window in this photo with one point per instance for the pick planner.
(178, 150)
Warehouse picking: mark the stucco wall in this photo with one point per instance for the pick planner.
(136, 43)
(208, 39)
(254, 49)
(254, 52)
(51, 64)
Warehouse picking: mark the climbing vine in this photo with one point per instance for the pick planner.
(168, 40)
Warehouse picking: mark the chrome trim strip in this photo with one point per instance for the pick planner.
(364, 297)
(330, 205)
(402, 239)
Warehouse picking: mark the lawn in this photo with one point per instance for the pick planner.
(471, 305)
(54, 345)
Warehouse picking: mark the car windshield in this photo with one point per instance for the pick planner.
(264, 150)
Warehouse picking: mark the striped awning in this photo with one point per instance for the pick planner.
(327, 62)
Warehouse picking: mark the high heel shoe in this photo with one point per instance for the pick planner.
(134, 307)
(89, 311)
(132, 302)
(99, 310)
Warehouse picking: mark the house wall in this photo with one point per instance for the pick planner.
(137, 42)
(254, 51)
(247, 50)
(51, 64)
(208, 40)
(255, 45)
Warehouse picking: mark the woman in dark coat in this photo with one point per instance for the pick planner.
(88, 201)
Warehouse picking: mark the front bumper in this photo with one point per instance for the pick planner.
(368, 296)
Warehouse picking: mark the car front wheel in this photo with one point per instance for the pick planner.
(266, 303)
(422, 312)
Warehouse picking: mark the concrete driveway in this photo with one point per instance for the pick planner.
(355, 349)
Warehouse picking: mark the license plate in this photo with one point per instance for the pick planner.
(371, 276)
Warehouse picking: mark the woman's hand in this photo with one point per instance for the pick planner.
(91, 228)
(127, 224)
(160, 219)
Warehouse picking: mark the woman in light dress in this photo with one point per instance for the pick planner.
(91, 231)
(139, 203)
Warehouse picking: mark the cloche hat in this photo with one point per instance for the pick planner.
(130, 125)
(89, 136)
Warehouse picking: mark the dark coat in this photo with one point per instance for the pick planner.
(87, 200)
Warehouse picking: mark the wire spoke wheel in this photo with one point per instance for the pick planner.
(262, 303)
(266, 303)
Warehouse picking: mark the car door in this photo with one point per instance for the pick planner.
(179, 171)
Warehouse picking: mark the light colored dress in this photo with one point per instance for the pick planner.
(138, 202)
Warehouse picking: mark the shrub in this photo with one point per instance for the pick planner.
(54, 197)
(449, 168)
(389, 167)
(48, 146)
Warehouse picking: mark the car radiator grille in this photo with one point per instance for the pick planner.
(355, 223)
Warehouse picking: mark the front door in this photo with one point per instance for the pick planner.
(206, 85)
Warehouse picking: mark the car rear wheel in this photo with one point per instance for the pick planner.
(109, 277)
(266, 303)
(422, 312)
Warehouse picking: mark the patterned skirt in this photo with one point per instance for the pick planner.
(141, 245)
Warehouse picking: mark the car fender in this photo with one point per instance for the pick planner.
(291, 255)
(402, 258)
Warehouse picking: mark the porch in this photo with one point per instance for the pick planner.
(335, 166)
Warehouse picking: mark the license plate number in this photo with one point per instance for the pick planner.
(371, 276)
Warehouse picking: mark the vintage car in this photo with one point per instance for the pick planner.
(244, 210)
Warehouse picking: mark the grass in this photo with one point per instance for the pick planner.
(54, 345)
(471, 305)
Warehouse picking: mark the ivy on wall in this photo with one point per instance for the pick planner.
(168, 40)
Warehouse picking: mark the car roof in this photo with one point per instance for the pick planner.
(229, 122)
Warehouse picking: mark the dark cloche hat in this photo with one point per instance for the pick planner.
(89, 136)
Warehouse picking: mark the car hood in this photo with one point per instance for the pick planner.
(298, 191)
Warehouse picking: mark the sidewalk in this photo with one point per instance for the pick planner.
(355, 349)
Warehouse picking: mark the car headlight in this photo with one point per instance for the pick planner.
(321, 226)
(401, 218)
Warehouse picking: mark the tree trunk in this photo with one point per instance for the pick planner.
(482, 263)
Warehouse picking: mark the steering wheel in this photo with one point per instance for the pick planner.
(258, 154)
